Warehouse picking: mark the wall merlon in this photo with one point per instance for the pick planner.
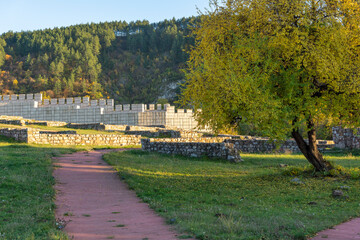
(126, 107)
(118, 108)
(22, 97)
(69, 101)
(94, 103)
(102, 102)
(170, 109)
(110, 102)
(38, 97)
(30, 96)
(13, 97)
(61, 101)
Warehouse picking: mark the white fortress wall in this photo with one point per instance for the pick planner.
(84, 110)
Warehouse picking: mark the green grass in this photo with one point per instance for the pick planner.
(255, 199)
(26, 191)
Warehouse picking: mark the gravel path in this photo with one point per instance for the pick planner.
(94, 204)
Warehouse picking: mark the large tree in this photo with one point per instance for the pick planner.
(281, 65)
(2, 52)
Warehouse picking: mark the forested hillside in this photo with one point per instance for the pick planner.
(130, 62)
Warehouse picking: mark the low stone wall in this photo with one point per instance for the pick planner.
(13, 122)
(36, 136)
(20, 121)
(265, 146)
(94, 126)
(346, 138)
(47, 123)
(151, 132)
(206, 146)
(192, 140)
(19, 134)
(193, 149)
(84, 139)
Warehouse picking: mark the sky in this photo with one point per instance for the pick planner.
(24, 15)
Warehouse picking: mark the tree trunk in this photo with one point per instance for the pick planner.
(310, 150)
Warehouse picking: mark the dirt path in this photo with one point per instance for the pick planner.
(97, 205)
(345, 231)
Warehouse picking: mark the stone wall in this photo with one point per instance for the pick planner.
(36, 136)
(19, 134)
(205, 146)
(193, 149)
(151, 132)
(265, 146)
(84, 110)
(346, 138)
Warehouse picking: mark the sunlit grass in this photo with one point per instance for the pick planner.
(26, 191)
(255, 199)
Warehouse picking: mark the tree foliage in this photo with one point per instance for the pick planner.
(279, 65)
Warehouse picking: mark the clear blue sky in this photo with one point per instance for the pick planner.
(18, 15)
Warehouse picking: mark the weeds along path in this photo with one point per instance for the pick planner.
(92, 202)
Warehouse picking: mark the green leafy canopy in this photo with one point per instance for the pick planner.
(276, 64)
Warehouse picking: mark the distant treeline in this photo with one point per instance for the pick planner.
(130, 62)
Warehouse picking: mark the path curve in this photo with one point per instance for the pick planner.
(346, 231)
(95, 204)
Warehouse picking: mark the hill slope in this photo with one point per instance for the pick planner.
(130, 62)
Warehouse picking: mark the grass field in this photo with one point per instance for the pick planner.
(26, 191)
(255, 199)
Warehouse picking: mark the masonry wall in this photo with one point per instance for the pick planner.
(346, 138)
(84, 110)
(42, 137)
(20, 135)
(243, 146)
(193, 149)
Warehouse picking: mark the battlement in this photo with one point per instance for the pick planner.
(86, 110)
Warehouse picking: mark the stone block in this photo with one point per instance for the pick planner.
(94, 103)
(54, 101)
(22, 97)
(181, 111)
(86, 100)
(38, 97)
(138, 107)
(110, 102)
(77, 100)
(61, 101)
(69, 101)
(170, 109)
(13, 97)
(126, 107)
(6, 98)
(118, 108)
(102, 102)
(30, 96)
(151, 107)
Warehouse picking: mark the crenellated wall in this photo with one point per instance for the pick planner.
(85, 110)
